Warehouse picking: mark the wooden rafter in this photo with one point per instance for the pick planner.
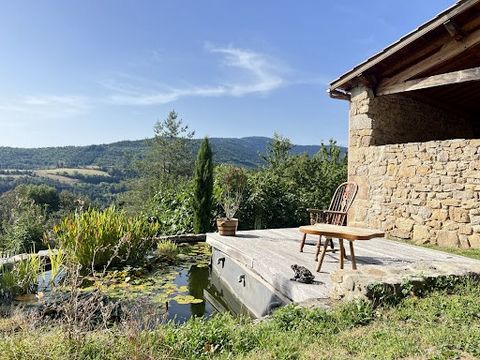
(447, 52)
(454, 77)
(403, 42)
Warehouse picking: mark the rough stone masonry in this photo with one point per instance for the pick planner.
(411, 186)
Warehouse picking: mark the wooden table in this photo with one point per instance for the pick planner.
(341, 233)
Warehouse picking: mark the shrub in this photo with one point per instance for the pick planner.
(21, 278)
(99, 238)
(231, 184)
(172, 207)
(24, 230)
(167, 250)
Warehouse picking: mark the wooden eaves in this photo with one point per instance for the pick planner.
(410, 78)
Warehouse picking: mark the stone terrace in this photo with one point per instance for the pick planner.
(268, 254)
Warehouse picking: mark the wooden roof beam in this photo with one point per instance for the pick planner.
(408, 39)
(455, 77)
(446, 53)
(454, 30)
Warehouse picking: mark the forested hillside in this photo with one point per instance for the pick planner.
(121, 155)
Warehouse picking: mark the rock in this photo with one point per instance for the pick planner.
(439, 214)
(404, 224)
(474, 241)
(421, 234)
(447, 238)
(459, 215)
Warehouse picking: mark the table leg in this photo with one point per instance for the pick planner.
(352, 253)
(331, 245)
(302, 242)
(324, 251)
(319, 244)
(342, 252)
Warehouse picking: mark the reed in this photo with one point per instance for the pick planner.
(99, 238)
(56, 263)
(167, 250)
(21, 277)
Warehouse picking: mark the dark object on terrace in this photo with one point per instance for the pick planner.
(336, 214)
(302, 274)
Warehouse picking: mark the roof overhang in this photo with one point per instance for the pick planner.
(449, 23)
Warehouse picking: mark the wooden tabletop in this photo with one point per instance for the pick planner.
(342, 232)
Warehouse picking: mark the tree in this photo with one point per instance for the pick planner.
(170, 155)
(278, 151)
(167, 165)
(203, 191)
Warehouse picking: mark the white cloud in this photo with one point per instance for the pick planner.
(259, 75)
(245, 72)
(47, 106)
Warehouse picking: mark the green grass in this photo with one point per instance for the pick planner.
(440, 326)
(471, 253)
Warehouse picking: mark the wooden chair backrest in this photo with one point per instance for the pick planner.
(341, 201)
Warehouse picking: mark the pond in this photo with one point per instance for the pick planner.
(173, 291)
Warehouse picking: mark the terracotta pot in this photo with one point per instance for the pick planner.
(227, 227)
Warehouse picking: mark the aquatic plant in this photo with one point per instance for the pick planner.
(21, 277)
(101, 238)
(167, 250)
(56, 257)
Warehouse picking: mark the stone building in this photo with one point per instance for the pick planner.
(414, 132)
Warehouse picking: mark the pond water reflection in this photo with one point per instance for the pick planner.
(165, 292)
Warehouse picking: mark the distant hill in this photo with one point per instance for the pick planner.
(239, 151)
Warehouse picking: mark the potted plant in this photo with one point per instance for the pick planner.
(232, 181)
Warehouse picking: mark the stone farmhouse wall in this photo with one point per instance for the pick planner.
(426, 190)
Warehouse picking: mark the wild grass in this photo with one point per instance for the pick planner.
(98, 238)
(442, 325)
(21, 277)
(56, 263)
(167, 250)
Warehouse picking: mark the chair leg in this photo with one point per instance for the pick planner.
(352, 253)
(319, 266)
(302, 242)
(344, 252)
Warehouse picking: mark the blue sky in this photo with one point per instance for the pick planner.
(89, 71)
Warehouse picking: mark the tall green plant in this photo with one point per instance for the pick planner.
(100, 238)
(203, 191)
(21, 277)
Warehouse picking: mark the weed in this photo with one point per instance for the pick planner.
(167, 250)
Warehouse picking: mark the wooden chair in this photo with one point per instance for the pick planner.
(336, 214)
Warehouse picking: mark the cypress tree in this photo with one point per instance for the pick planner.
(203, 191)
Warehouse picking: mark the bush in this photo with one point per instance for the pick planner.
(24, 230)
(279, 194)
(172, 207)
(98, 238)
(167, 250)
(21, 278)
